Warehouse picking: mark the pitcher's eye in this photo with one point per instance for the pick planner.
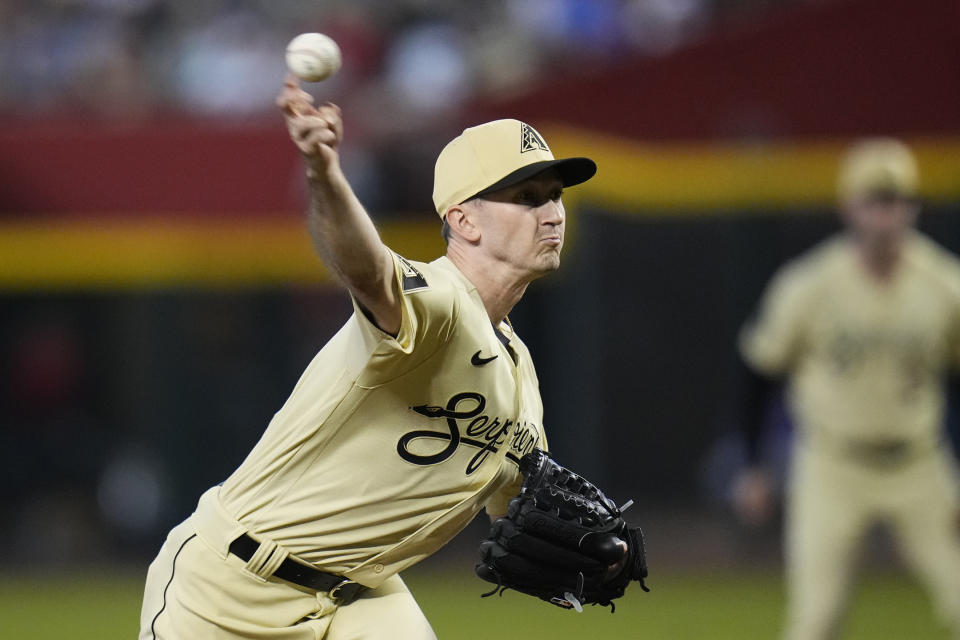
(524, 197)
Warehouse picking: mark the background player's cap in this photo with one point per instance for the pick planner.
(878, 165)
(495, 155)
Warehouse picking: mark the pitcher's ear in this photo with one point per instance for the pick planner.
(462, 220)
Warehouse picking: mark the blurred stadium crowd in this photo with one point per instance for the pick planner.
(131, 59)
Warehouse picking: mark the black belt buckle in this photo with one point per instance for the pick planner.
(345, 592)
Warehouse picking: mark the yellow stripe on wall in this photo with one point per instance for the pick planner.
(116, 254)
(638, 178)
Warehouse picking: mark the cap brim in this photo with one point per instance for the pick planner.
(572, 171)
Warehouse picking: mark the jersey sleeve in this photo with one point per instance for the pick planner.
(496, 505)
(429, 308)
(771, 340)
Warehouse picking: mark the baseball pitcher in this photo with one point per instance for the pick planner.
(414, 417)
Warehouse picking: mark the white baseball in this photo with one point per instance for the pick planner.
(313, 57)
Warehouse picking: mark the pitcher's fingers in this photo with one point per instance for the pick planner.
(296, 105)
(296, 129)
(319, 136)
(307, 122)
(332, 114)
(291, 84)
(307, 138)
(299, 133)
(286, 102)
(295, 101)
(304, 147)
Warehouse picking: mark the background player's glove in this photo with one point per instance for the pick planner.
(562, 540)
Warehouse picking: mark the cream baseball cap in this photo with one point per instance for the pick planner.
(878, 165)
(495, 155)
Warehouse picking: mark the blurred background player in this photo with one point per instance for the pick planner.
(409, 422)
(863, 329)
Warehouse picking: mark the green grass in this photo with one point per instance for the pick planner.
(83, 606)
(679, 607)
(104, 606)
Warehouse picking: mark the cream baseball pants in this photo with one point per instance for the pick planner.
(833, 501)
(197, 590)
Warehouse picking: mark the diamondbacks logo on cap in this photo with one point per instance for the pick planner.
(530, 140)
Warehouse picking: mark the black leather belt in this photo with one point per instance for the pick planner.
(882, 453)
(340, 589)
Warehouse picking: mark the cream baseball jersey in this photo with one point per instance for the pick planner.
(388, 446)
(865, 358)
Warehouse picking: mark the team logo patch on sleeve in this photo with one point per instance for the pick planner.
(413, 280)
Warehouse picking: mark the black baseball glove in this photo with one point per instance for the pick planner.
(562, 540)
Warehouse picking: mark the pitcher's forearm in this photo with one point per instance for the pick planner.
(344, 235)
(347, 241)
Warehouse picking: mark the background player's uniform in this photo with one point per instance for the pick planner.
(386, 448)
(866, 363)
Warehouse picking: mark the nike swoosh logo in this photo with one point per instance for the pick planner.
(477, 361)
